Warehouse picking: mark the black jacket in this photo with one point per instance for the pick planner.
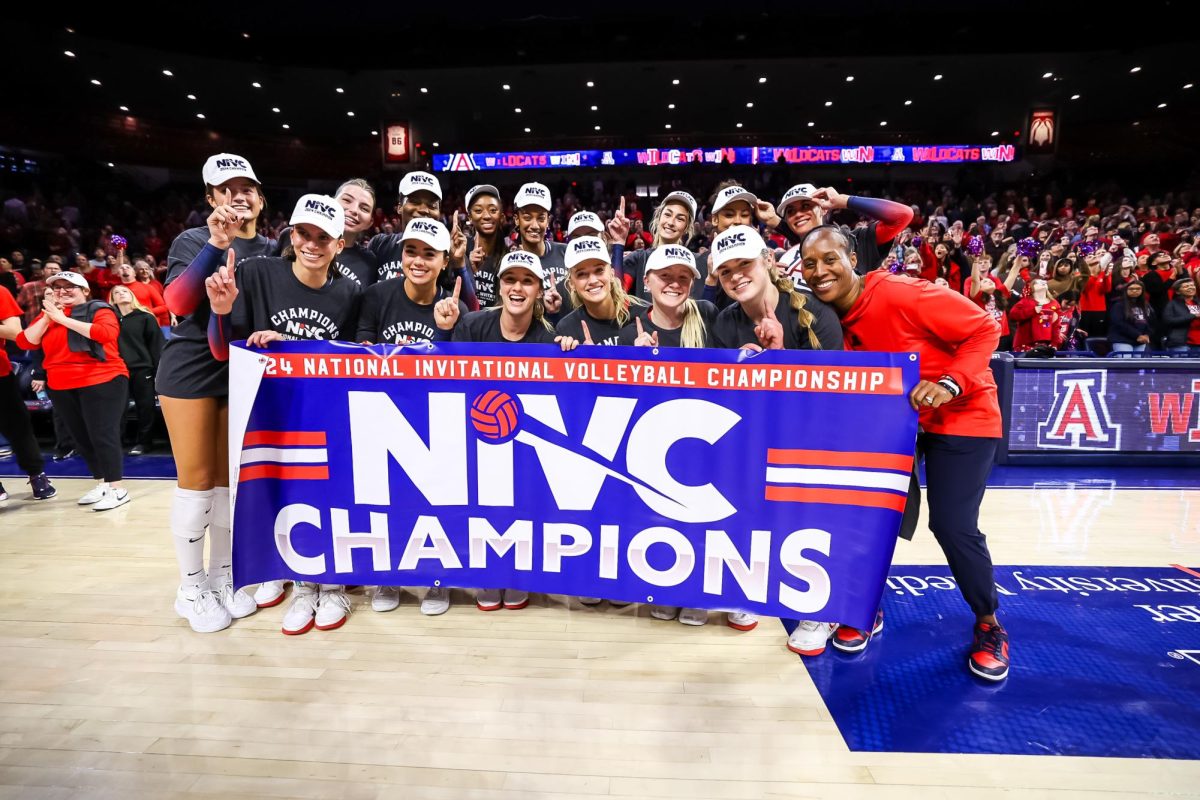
(141, 340)
(1177, 321)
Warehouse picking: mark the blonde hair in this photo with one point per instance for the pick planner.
(137, 305)
(693, 333)
(616, 293)
(688, 233)
(797, 300)
(361, 183)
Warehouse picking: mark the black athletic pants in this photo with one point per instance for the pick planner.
(141, 390)
(93, 415)
(17, 429)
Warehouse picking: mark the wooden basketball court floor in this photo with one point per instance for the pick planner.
(105, 693)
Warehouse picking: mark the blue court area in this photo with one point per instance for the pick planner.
(1106, 662)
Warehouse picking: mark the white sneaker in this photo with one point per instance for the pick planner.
(487, 599)
(236, 602)
(664, 612)
(111, 499)
(741, 622)
(301, 615)
(269, 594)
(515, 599)
(810, 638)
(693, 616)
(333, 606)
(436, 601)
(591, 601)
(95, 495)
(385, 598)
(201, 607)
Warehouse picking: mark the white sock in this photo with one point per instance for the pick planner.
(220, 543)
(189, 516)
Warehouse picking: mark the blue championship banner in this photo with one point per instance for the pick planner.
(770, 483)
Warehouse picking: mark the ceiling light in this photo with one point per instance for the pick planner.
(110, 163)
(595, 108)
(70, 30)
(667, 126)
(1047, 74)
(256, 85)
(275, 109)
(1136, 124)
(1187, 86)
(849, 79)
(1074, 97)
(95, 82)
(517, 110)
(527, 130)
(591, 84)
(68, 54)
(883, 124)
(762, 80)
(374, 133)
(749, 105)
(670, 105)
(675, 82)
(597, 127)
(435, 144)
(168, 73)
(908, 102)
(191, 97)
(1136, 69)
(811, 124)
(995, 133)
(349, 113)
(828, 103)
(1162, 105)
(937, 77)
(245, 35)
(340, 90)
(287, 127)
(124, 108)
(200, 116)
(739, 124)
(424, 90)
(505, 86)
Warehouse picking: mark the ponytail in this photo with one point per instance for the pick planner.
(785, 286)
(693, 333)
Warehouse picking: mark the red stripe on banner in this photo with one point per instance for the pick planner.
(754, 377)
(280, 472)
(839, 458)
(837, 497)
(276, 438)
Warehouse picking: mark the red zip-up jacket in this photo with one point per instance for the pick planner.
(953, 336)
(1094, 296)
(66, 369)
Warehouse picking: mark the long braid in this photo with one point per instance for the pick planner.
(785, 286)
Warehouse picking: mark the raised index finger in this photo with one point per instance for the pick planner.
(621, 207)
(587, 335)
(638, 320)
(457, 288)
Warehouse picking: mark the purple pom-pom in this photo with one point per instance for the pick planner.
(896, 268)
(916, 241)
(1029, 247)
(975, 245)
(119, 242)
(1087, 248)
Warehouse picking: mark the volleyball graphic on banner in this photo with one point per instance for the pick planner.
(496, 416)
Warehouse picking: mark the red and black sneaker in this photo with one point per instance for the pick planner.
(989, 654)
(852, 640)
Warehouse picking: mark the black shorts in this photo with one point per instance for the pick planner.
(188, 371)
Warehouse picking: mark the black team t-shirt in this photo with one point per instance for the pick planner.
(187, 369)
(487, 286)
(484, 326)
(271, 297)
(673, 338)
(388, 249)
(603, 331)
(390, 315)
(734, 327)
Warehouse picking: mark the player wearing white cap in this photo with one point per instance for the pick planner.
(486, 244)
(532, 217)
(297, 296)
(193, 388)
(673, 223)
(356, 262)
(602, 309)
(520, 318)
(407, 310)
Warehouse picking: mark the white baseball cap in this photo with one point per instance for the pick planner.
(670, 255)
(585, 248)
(731, 194)
(430, 231)
(73, 278)
(584, 219)
(420, 182)
(225, 167)
(320, 210)
(524, 259)
(533, 194)
(686, 198)
(740, 241)
(478, 189)
(801, 191)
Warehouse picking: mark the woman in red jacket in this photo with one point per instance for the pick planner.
(1036, 315)
(88, 381)
(146, 294)
(959, 414)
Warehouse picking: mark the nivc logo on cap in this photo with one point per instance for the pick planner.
(424, 226)
(675, 251)
(587, 246)
(732, 190)
(425, 180)
(325, 210)
(732, 240)
(535, 191)
(520, 256)
(231, 163)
